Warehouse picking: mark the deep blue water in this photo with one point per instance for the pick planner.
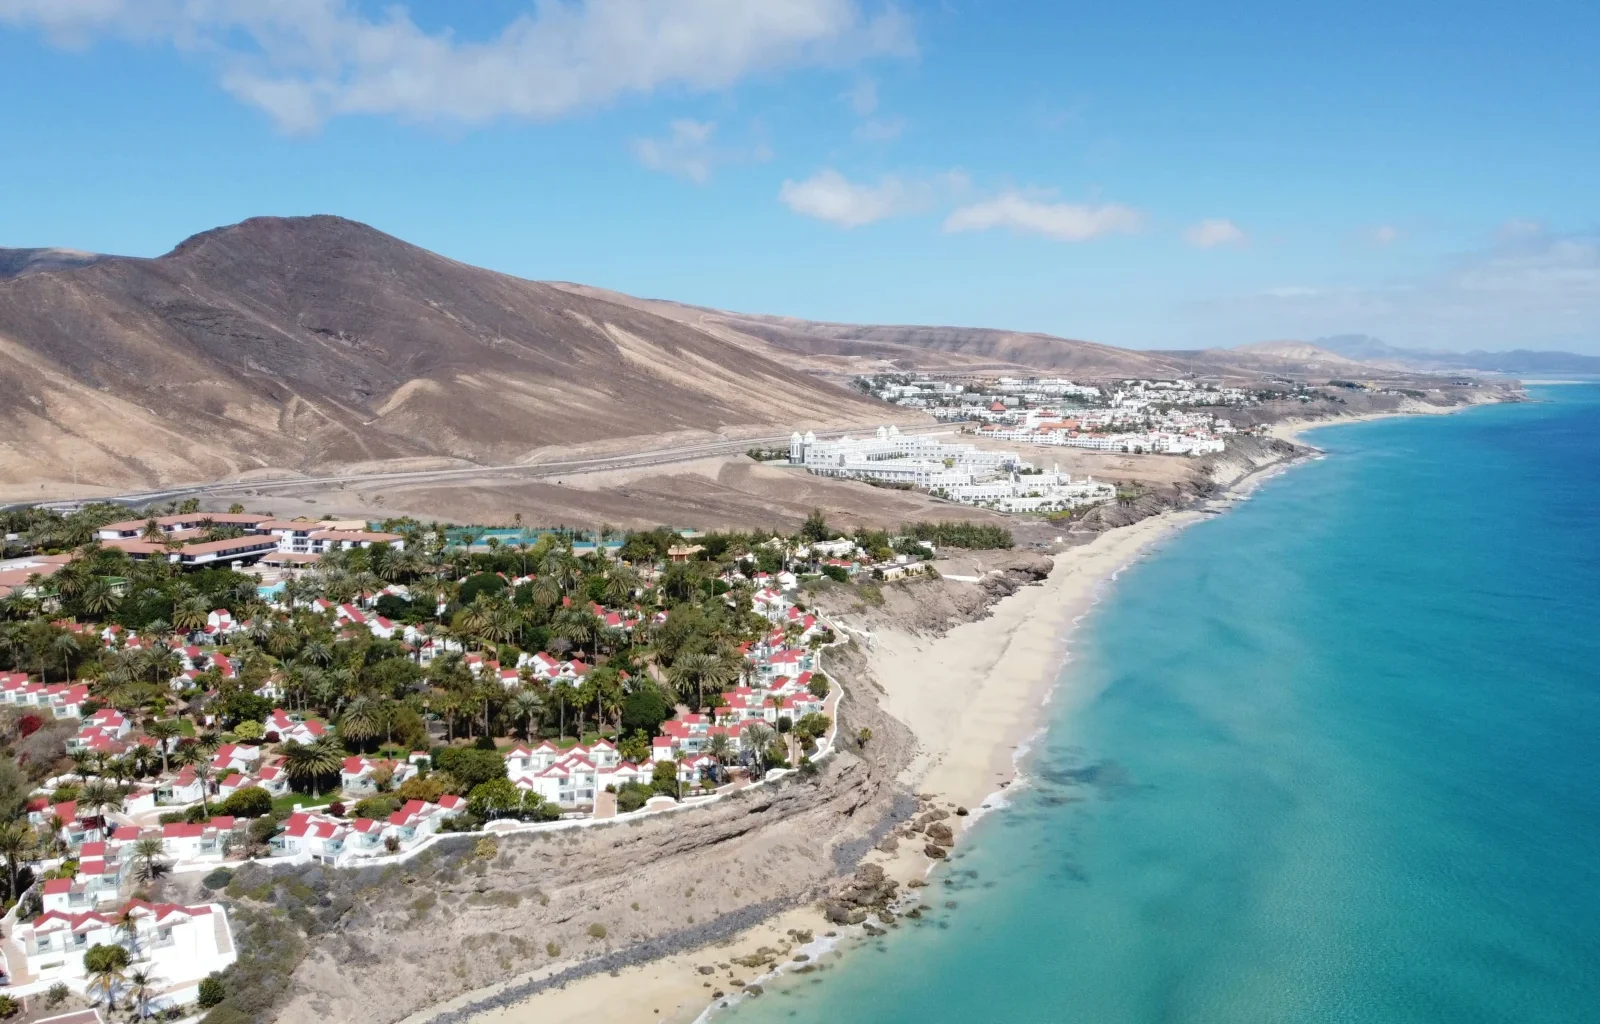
(1338, 759)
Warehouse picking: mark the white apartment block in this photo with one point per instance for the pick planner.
(179, 945)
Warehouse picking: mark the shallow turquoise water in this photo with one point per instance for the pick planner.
(1338, 762)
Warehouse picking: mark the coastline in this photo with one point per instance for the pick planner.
(972, 697)
(1292, 428)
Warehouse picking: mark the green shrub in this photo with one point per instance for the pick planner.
(248, 802)
(470, 767)
(212, 990)
(217, 880)
(959, 535)
(597, 931)
(632, 796)
(552, 950)
(480, 583)
(377, 808)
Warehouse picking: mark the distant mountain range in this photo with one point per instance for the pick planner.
(316, 343)
(1367, 349)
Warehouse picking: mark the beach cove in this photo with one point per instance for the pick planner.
(1327, 758)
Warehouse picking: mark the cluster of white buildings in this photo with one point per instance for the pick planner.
(959, 472)
(917, 460)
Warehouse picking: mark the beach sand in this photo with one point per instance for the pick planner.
(971, 697)
(1291, 429)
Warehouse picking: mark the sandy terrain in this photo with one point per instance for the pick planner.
(714, 493)
(1292, 429)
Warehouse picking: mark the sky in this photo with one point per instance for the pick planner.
(1140, 174)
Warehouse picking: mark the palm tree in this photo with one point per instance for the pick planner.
(148, 853)
(562, 693)
(362, 720)
(100, 598)
(190, 614)
(97, 796)
(720, 748)
(621, 582)
(107, 973)
(310, 763)
(141, 988)
(163, 732)
(202, 772)
(756, 739)
(526, 704)
(697, 669)
(19, 844)
(81, 760)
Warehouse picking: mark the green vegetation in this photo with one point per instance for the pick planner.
(959, 535)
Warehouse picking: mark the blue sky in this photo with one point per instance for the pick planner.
(1151, 175)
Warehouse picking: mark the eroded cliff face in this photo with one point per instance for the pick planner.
(1210, 477)
(924, 604)
(381, 943)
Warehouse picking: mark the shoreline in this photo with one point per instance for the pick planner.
(928, 683)
(1292, 428)
(975, 699)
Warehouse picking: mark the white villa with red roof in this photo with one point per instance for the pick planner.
(358, 775)
(292, 728)
(177, 944)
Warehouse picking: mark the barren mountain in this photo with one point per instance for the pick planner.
(886, 347)
(17, 262)
(311, 343)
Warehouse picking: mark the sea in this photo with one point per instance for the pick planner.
(1333, 756)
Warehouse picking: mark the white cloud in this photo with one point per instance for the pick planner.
(830, 196)
(686, 151)
(1383, 235)
(305, 61)
(1067, 222)
(1208, 234)
(863, 98)
(1528, 288)
(880, 129)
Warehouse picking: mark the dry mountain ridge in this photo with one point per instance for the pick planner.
(887, 347)
(316, 342)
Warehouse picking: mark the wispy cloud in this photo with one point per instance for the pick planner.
(880, 129)
(862, 97)
(306, 61)
(1208, 234)
(1383, 235)
(690, 151)
(830, 196)
(1066, 222)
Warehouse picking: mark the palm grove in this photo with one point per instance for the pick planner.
(682, 646)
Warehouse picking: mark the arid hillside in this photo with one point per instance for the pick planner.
(861, 347)
(313, 343)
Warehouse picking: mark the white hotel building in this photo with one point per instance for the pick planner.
(889, 456)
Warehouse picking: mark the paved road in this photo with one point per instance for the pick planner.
(569, 467)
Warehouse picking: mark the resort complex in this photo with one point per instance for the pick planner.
(340, 695)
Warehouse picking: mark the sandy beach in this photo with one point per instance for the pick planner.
(1291, 429)
(971, 696)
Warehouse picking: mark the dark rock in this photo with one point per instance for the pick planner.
(936, 852)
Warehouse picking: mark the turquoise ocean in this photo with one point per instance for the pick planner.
(1334, 757)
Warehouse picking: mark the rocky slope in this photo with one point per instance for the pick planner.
(310, 343)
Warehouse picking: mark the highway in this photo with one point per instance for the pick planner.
(536, 470)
